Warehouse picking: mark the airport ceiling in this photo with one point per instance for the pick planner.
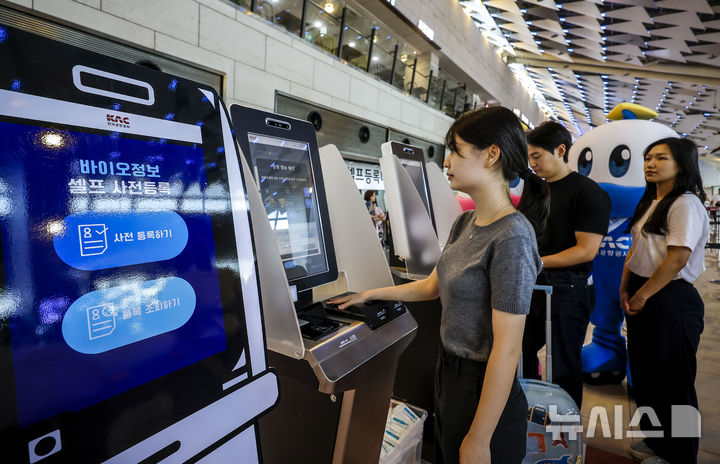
(581, 58)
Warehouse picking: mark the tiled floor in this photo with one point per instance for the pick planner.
(707, 383)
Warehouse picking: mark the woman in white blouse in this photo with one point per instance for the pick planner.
(664, 311)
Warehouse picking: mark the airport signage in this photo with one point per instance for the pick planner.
(367, 176)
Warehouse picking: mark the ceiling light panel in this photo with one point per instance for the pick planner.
(560, 43)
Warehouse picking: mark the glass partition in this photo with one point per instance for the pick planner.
(285, 13)
(323, 23)
(356, 39)
(243, 3)
(436, 88)
(383, 53)
(403, 67)
(420, 86)
(460, 101)
(333, 8)
(323, 28)
(448, 98)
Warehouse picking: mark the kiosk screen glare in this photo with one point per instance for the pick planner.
(417, 176)
(285, 178)
(107, 283)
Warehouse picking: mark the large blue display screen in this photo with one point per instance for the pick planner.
(110, 273)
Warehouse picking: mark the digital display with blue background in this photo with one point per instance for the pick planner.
(106, 240)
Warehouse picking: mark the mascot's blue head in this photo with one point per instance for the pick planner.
(612, 154)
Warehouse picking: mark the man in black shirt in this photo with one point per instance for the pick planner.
(578, 219)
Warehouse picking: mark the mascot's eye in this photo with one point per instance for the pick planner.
(619, 162)
(585, 162)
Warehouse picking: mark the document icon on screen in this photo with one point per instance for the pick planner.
(101, 320)
(93, 239)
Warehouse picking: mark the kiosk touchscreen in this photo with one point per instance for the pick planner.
(130, 323)
(283, 155)
(292, 191)
(337, 385)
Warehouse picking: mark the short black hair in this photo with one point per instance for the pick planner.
(550, 135)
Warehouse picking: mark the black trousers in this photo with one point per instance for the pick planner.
(572, 303)
(662, 343)
(458, 383)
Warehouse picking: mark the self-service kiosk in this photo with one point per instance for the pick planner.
(422, 209)
(410, 208)
(130, 322)
(411, 187)
(336, 368)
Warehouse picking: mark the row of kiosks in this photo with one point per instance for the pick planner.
(145, 261)
(130, 317)
(422, 208)
(314, 241)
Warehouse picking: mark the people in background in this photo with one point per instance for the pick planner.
(376, 213)
(579, 216)
(484, 279)
(715, 200)
(664, 312)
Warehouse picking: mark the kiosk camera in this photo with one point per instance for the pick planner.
(334, 400)
(130, 322)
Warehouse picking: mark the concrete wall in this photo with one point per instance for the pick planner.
(256, 57)
(463, 43)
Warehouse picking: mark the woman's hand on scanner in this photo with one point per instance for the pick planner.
(349, 300)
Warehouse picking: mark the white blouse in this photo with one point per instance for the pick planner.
(688, 226)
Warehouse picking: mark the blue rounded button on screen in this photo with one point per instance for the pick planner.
(113, 317)
(91, 241)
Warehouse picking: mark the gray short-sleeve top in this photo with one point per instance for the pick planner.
(481, 268)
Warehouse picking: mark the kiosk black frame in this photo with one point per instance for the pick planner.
(113, 425)
(249, 121)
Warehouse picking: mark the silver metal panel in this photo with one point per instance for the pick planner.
(282, 331)
(446, 206)
(338, 359)
(357, 249)
(413, 234)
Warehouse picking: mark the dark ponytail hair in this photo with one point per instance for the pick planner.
(499, 126)
(688, 180)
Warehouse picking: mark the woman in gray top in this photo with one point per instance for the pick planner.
(484, 279)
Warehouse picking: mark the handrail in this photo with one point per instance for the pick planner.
(373, 48)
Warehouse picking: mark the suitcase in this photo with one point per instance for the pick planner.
(554, 433)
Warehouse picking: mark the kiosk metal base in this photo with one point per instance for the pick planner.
(415, 377)
(339, 421)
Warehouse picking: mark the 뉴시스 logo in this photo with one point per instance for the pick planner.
(685, 423)
(118, 121)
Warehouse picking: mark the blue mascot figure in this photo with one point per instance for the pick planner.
(612, 155)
